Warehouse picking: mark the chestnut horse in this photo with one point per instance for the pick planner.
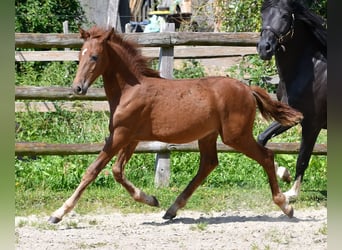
(146, 107)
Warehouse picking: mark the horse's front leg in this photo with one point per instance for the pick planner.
(90, 175)
(208, 161)
(110, 149)
(118, 171)
(309, 137)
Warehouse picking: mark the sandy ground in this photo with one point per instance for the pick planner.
(189, 230)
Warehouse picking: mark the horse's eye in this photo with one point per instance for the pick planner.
(93, 58)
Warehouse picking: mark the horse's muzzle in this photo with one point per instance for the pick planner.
(265, 50)
(80, 89)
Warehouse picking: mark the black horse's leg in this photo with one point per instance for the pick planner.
(273, 130)
(309, 137)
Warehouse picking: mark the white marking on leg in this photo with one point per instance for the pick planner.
(84, 51)
(293, 193)
(282, 172)
(67, 206)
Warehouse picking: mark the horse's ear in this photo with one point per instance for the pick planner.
(84, 34)
(108, 34)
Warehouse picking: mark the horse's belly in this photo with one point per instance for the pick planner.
(184, 125)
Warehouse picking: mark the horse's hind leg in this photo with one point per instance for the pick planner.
(208, 161)
(118, 171)
(248, 146)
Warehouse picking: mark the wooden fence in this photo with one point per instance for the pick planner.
(166, 41)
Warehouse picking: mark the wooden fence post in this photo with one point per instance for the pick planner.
(66, 31)
(162, 165)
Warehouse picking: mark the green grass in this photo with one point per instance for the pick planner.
(205, 199)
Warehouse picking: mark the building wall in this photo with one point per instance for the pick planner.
(105, 13)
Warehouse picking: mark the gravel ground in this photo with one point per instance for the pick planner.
(189, 230)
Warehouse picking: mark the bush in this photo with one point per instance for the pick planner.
(255, 71)
(190, 69)
(47, 16)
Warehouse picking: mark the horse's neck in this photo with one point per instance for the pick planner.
(118, 75)
(296, 55)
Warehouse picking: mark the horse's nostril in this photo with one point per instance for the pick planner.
(78, 90)
(268, 47)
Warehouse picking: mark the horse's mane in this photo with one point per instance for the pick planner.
(131, 49)
(268, 3)
(315, 22)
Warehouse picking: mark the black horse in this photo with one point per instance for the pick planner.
(298, 39)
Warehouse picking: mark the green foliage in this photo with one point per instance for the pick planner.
(190, 69)
(240, 15)
(318, 6)
(47, 16)
(255, 71)
(244, 15)
(48, 74)
(45, 74)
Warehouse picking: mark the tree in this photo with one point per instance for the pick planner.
(47, 16)
(244, 15)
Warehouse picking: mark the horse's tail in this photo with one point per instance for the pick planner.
(269, 108)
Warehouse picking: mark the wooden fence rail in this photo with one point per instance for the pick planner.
(180, 52)
(58, 93)
(38, 148)
(163, 39)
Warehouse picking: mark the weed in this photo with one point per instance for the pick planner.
(22, 223)
(43, 225)
(324, 229)
(91, 246)
(93, 222)
(201, 226)
(71, 224)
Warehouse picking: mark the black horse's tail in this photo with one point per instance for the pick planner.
(279, 111)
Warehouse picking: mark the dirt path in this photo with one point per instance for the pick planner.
(190, 230)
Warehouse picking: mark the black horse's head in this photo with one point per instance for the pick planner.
(277, 26)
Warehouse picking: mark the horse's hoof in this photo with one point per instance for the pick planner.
(290, 212)
(54, 220)
(168, 216)
(155, 202)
